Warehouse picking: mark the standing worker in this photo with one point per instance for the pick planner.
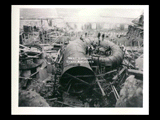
(103, 36)
(87, 49)
(99, 42)
(20, 38)
(40, 36)
(90, 50)
(99, 34)
(86, 34)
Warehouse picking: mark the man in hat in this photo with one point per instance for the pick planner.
(99, 34)
(103, 36)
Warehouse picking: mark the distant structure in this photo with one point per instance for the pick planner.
(135, 31)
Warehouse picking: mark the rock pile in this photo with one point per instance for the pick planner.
(131, 94)
(31, 99)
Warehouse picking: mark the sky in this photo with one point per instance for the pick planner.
(83, 13)
(118, 11)
(113, 12)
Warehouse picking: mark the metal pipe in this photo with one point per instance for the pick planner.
(75, 66)
(75, 63)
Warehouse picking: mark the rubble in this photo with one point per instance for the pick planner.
(139, 62)
(135, 31)
(31, 99)
(131, 94)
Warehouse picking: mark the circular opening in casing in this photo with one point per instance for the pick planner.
(73, 85)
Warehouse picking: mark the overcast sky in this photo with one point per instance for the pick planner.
(82, 11)
(113, 12)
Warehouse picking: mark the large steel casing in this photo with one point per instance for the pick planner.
(76, 63)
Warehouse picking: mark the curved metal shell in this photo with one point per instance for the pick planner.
(117, 54)
(76, 63)
(75, 52)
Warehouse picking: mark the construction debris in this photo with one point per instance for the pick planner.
(31, 99)
(60, 68)
(131, 94)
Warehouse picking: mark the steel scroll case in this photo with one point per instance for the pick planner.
(78, 77)
(115, 59)
(74, 66)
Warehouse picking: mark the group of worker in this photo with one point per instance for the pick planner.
(101, 35)
(93, 46)
(125, 51)
(89, 50)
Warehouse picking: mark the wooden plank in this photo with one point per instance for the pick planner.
(103, 94)
(106, 73)
(24, 46)
(58, 54)
(31, 57)
(135, 71)
(116, 91)
(121, 71)
(52, 99)
(30, 51)
(25, 78)
(138, 74)
(101, 80)
(128, 63)
(60, 59)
